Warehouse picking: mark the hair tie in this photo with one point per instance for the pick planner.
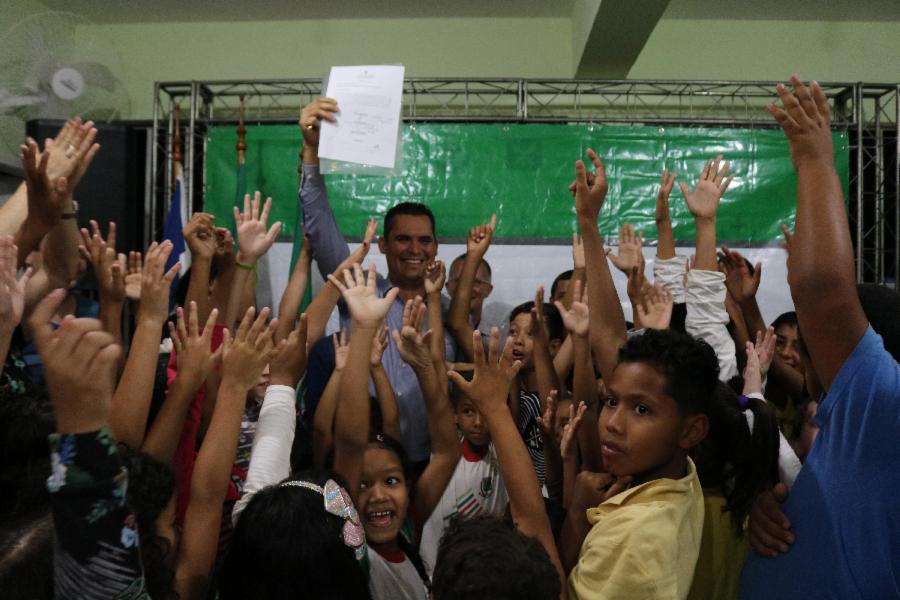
(744, 402)
(338, 502)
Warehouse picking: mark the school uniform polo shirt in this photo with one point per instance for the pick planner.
(644, 542)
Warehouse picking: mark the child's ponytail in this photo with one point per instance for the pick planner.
(740, 454)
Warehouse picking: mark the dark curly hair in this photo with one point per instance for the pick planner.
(487, 558)
(151, 486)
(689, 365)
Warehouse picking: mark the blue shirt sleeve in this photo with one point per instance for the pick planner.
(329, 247)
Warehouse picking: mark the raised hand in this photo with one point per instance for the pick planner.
(253, 238)
(289, 365)
(667, 182)
(547, 421)
(538, 323)
(788, 239)
(589, 189)
(311, 118)
(72, 151)
(765, 349)
(79, 360)
(493, 373)
(577, 318)
(357, 256)
(156, 283)
(12, 290)
(199, 234)
(224, 248)
(341, 348)
(630, 249)
(569, 443)
(637, 282)
(46, 196)
(379, 345)
(411, 343)
(361, 296)
(658, 311)
(741, 284)
(703, 201)
(193, 346)
(435, 275)
(253, 347)
(480, 237)
(577, 252)
(752, 373)
(806, 121)
(109, 268)
(133, 275)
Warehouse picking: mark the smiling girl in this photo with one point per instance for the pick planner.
(374, 465)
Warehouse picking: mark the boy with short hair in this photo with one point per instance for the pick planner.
(644, 541)
(476, 487)
(641, 536)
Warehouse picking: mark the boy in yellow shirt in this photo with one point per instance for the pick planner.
(643, 542)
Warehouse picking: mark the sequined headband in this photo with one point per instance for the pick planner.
(338, 503)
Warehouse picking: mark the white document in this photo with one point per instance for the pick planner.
(368, 118)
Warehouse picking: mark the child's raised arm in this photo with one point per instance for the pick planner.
(607, 328)
(319, 310)
(131, 401)
(292, 298)
(584, 385)
(323, 419)
(458, 323)
(351, 431)
(243, 360)
(488, 389)
(200, 237)
(705, 293)
(414, 348)
(384, 392)
(195, 362)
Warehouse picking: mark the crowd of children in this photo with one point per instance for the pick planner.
(696, 453)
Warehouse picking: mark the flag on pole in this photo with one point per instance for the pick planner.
(175, 222)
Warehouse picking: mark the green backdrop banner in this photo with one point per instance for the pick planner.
(464, 172)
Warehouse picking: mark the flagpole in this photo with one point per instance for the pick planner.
(241, 145)
(176, 145)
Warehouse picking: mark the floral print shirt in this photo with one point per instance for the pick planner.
(96, 552)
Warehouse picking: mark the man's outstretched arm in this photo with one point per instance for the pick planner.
(820, 271)
(329, 247)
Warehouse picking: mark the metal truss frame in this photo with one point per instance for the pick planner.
(869, 113)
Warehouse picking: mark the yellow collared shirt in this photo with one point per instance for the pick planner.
(643, 543)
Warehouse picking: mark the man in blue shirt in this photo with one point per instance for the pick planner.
(409, 244)
(844, 509)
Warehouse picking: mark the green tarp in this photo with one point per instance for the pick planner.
(464, 172)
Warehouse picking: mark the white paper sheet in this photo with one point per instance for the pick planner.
(368, 121)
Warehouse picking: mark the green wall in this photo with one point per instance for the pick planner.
(464, 172)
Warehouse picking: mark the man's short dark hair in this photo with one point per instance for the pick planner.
(555, 326)
(415, 209)
(564, 276)
(689, 366)
(487, 558)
